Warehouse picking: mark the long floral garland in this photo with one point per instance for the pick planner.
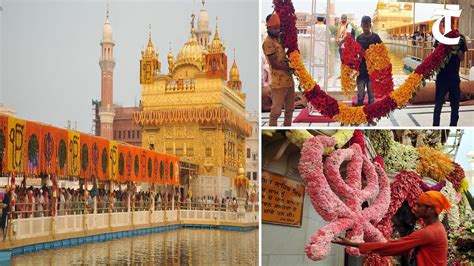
(453, 218)
(341, 112)
(405, 186)
(378, 66)
(379, 69)
(325, 186)
(350, 62)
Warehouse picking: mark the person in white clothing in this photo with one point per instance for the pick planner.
(321, 35)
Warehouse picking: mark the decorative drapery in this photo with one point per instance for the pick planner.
(216, 115)
(33, 148)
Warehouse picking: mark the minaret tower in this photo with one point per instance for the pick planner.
(107, 65)
(203, 32)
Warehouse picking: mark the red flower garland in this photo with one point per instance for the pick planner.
(456, 176)
(286, 12)
(437, 57)
(380, 108)
(379, 159)
(406, 186)
(382, 82)
(352, 53)
(358, 137)
(327, 105)
(324, 103)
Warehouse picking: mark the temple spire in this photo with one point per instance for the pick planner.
(150, 43)
(107, 14)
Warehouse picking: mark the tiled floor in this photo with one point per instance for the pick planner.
(417, 115)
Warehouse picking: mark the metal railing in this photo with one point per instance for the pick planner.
(421, 49)
(33, 210)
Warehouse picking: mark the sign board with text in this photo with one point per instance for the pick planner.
(282, 200)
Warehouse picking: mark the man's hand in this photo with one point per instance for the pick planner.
(345, 242)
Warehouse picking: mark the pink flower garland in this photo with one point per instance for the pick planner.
(325, 192)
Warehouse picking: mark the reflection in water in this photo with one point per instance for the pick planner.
(183, 246)
(395, 52)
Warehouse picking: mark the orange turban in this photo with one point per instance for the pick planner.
(435, 199)
(273, 20)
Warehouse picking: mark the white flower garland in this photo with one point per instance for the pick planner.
(453, 216)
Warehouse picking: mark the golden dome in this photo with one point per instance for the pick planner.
(191, 53)
(216, 45)
(241, 171)
(234, 72)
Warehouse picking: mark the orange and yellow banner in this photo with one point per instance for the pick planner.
(49, 150)
(103, 159)
(74, 153)
(87, 142)
(62, 152)
(34, 148)
(16, 145)
(113, 160)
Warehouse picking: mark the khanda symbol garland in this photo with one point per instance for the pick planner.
(16, 138)
(48, 149)
(113, 161)
(74, 152)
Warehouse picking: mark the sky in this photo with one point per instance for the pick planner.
(360, 8)
(50, 50)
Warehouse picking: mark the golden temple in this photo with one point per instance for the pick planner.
(389, 14)
(194, 111)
